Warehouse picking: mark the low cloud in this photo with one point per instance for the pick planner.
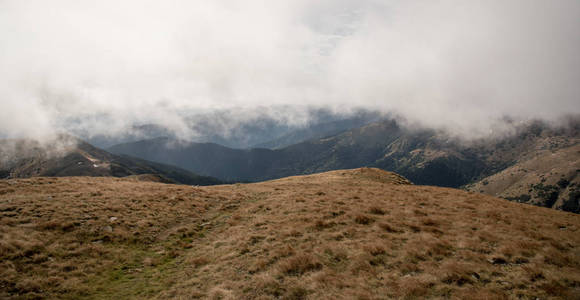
(104, 66)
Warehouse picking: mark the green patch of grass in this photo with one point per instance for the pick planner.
(135, 278)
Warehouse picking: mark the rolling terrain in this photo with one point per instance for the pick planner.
(548, 178)
(68, 156)
(346, 234)
(424, 156)
(365, 146)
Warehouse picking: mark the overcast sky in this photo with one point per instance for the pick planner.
(454, 64)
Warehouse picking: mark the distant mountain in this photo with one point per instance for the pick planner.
(423, 156)
(321, 130)
(260, 164)
(545, 177)
(131, 134)
(230, 129)
(68, 156)
(204, 158)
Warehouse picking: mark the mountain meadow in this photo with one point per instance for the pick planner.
(346, 234)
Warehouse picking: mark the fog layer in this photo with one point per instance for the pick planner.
(105, 66)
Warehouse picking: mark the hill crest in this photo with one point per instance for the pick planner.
(341, 234)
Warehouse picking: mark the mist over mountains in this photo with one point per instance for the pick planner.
(22, 158)
(226, 128)
(425, 156)
(352, 149)
(254, 91)
(103, 67)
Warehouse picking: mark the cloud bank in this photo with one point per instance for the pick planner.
(106, 65)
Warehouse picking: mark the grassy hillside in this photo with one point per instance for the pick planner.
(347, 234)
(549, 178)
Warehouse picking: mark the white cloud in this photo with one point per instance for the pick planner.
(454, 64)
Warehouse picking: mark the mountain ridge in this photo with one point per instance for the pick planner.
(549, 178)
(416, 154)
(69, 156)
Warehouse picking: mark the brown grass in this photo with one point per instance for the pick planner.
(376, 210)
(351, 234)
(363, 220)
(300, 264)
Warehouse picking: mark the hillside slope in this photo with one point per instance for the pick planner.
(365, 146)
(424, 156)
(347, 234)
(68, 156)
(548, 178)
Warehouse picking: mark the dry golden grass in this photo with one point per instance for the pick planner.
(352, 234)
